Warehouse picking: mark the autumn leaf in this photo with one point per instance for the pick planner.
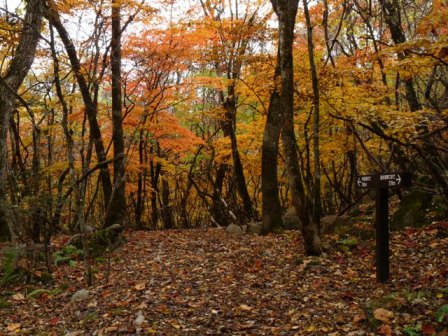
(244, 307)
(13, 327)
(18, 297)
(428, 330)
(140, 286)
(383, 315)
(385, 330)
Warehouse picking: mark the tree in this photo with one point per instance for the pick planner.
(9, 86)
(286, 11)
(115, 211)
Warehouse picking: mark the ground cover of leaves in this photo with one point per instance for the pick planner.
(207, 282)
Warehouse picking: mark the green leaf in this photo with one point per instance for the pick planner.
(442, 314)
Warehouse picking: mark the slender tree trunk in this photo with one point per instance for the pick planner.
(238, 170)
(116, 209)
(140, 205)
(167, 213)
(218, 208)
(317, 204)
(90, 107)
(9, 86)
(79, 199)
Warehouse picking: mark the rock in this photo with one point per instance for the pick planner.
(328, 223)
(234, 229)
(81, 295)
(349, 243)
(254, 228)
(380, 310)
(346, 226)
(333, 223)
(412, 210)
(139, 320)
(102, 241)
(290, 220)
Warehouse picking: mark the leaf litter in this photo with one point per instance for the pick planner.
(207, 282)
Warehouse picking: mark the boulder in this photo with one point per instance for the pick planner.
(254, 228)
(291, 221)
(333, 223)
(81, 295)
(234, 229)
(412, 210)
(102, 241)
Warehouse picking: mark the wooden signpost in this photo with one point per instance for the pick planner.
(382, 182)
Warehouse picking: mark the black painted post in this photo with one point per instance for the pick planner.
(382, 234)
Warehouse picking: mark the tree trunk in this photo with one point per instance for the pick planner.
(238, 170)
(286, 11)
(317, 205)
(9, 86)
(271, 208)
(167, 213)
(116, 210)
(79, 199)
(90, 107)
(140, 205)
(218, 209)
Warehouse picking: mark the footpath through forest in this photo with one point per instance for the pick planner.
(207, 282)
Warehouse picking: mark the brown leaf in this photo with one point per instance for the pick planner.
(13, 327)
(54, 320)
(383, 315)
(358, 318)
(244, 307)
(140, 286)
(385, 330)
(18, 297)
(428, 330)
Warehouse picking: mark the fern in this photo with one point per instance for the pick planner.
(9, 265)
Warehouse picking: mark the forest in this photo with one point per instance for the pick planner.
(138, 137)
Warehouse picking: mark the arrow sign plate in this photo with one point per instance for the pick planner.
(384, 180)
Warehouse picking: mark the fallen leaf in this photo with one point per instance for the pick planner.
(245, 307)
(140, 286)
(358, 318)
(54, 321)
(383, 315)
(311, 328)
(428, 330)
(385, 330)
(13, 327)
(18, 297)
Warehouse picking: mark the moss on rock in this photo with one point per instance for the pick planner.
(412, 210)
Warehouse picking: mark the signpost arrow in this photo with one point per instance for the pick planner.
(382, 182)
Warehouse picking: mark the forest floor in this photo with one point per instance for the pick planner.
(207, 282)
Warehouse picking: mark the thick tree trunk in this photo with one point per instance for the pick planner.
(167, 213)
(286, 11)
(271, 208)
(116, 210)
(9, 86)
